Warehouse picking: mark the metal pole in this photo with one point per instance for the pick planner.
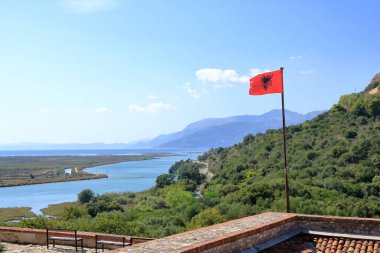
(284, 142)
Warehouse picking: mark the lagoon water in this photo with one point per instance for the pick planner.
(127, 176)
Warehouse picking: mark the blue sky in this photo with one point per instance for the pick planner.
(122, 70)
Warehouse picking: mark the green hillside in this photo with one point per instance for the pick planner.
(334, 164)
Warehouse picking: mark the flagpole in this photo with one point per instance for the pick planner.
(284, 142)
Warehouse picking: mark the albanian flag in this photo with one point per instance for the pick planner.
(266, 83)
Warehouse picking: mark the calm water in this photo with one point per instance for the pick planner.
(126, 176)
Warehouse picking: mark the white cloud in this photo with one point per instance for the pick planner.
(46, 110)
(150, 108)
(256, 71)
(307, 72)
(220, 78)
(101, 110)
(191, 91)
(299, 57)
(87, 6)
(152, 97)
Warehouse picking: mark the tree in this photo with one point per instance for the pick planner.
(374, 107)
(164, 180)
(358, 108)
(248, 139)
(191, 173)
(86, 196)
(338, 108)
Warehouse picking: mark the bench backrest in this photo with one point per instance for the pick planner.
(61, 232)
(137, 240)
(111, 238)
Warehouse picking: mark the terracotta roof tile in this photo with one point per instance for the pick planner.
(305, 243)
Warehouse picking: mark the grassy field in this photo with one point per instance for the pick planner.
(57, 209)
(15, 213)
(25, 170)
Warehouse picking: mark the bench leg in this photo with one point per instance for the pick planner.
(96, 247)
(47, 244)
(76, 246)
(102, 247)
(81, 244)
(53, 243)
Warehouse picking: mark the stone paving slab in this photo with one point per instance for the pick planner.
(31, 248)
(176, 243)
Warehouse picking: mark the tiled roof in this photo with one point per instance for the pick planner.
(324, 244)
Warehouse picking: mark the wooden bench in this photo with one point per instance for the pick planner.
(110, 240)
(60, 234)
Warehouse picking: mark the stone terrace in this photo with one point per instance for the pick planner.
(256, 233)
(249, 235)
(32, 248)
(243, 232)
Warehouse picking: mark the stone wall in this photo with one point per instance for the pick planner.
(232, 236)
(242, 234)
(38, 236)
(346, 225)
(245, 241)
(23, 235)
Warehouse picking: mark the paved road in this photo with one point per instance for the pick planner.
(209, 175)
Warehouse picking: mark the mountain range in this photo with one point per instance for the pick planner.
(205, 133)
(224, 132)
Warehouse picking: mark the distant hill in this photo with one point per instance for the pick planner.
(223, 132)
(205, 133)
(63, 146)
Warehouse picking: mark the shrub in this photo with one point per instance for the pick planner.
(38, 222)
(2, 247)
(101, 206)
(351, 134)
(73, 212)
(311, 155)
(179, 199)
(207, 217)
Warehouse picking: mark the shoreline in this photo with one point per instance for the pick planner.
(89, 176)
(50, 169)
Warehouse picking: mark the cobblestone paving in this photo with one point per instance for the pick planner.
(30, 248)
(180, 241)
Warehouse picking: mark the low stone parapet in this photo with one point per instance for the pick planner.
(248, 233)
(335, 224)
(38, 237)
(231, 236)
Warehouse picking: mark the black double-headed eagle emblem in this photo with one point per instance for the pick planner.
(266, 81)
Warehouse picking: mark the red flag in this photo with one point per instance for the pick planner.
(266, 83)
